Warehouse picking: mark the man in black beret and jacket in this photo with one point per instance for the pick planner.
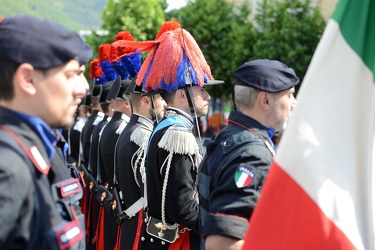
(41, 85)
(237, 159)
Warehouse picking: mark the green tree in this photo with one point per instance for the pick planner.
(288, 31)
(224, 34)
(142, 18)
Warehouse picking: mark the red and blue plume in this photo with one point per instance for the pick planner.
(168, 26)
(116, 52)
(104, 55)
(96, 74)
(118, 66)
(175, 60)
(128, 56)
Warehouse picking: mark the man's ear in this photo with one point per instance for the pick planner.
(24, 79)
(127, 104)
(146, 99)
(263, 100)
(180, 94)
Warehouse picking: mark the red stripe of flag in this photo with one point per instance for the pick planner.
(297, 221)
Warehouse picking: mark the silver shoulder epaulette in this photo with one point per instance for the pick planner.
(179, 140)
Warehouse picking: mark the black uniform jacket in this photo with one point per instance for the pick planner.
(90, 124)
(180, 207)
(107, 144)
(129, 155)
(231, 176)
(74, 137)
(27, 209)
(94, 149)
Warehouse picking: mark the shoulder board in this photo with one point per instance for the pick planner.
(78, 126)
(97, 120)
(121, 127)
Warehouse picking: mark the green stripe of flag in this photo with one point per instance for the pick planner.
(357, 25)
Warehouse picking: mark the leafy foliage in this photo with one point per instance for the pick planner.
(73, 14)
(285, 30)
(223, 32)
(288, 31)
(142, 18)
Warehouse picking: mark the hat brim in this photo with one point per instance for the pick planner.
(214, 82)
(152, 93)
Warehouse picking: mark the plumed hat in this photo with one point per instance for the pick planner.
(87, 100)
(126, 61)
(104, 55)
(97, 77)
(118, 90)
(105, 91)
(174, 62)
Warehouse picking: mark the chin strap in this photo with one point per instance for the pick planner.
(153, 108)
(189, 84)
(190, 98)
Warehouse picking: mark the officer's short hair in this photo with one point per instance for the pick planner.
(7, 71)
(245, 97)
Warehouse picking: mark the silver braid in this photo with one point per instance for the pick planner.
(164, 193)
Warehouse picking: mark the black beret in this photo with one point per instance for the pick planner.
(267, 75)
(85, 55)
(41, 43)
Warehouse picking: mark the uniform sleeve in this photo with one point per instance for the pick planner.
(236, 189)
(16, 197)
(181, 207)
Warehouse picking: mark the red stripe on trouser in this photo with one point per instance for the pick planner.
(88, 218)
(100, 230)
(183, 242)
(118, 239)
(138, 232)
(287, 218)
(82, 202)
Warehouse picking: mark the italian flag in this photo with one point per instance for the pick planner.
(319, 193)
(243, 177)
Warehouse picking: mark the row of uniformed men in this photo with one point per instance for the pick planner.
(142, 181)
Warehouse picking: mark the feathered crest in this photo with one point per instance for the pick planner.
(1, 19)
(118, 66)
(168, 26)
(175, 60)
(145, 46)
(127, 59)
(116, 52)
(96, 73)
(104, 55)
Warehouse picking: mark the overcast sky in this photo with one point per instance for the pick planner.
(175, 4)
